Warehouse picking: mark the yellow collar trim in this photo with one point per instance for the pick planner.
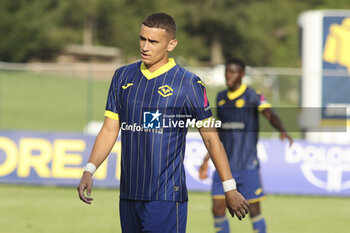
(171, 63)
(231, 95)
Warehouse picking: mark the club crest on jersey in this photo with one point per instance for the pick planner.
(165, 91)
(240, 103)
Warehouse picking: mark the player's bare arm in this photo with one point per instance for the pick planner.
(103, 145)
(203, 169)
(276, 122)
(235, 202)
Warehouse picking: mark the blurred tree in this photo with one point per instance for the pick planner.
(119, 23)
(264, 33)
(26, 27)
(79, 18)
(253, 30)
(213, 20)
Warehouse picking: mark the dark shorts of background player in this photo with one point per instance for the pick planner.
(152, 216)
(248, 184)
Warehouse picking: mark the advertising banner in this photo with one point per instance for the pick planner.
(305, 168)
(336, 60)
(52, 159)
(59, 159)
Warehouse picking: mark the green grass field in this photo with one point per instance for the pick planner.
(35, 209)
(30, 101)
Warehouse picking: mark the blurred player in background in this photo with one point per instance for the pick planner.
(153, 194)
(238, 108)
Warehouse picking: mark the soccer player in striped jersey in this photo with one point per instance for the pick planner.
(238, 108)
(153, 194)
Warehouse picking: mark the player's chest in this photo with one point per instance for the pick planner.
(239, 109)
(234, 104)
(157, 92)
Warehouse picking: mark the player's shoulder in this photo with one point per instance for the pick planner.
(126, 70)
(221, 94)
(258, 97)
(253, 92)
(188, 75)
(189, 79)
(129, 67)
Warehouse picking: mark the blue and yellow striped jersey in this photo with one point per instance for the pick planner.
(152, 151)
(239, 113)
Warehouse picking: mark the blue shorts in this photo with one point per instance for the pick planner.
(248, 184)
(152, 216)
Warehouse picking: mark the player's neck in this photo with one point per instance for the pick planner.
(153, 67)
(235, 88)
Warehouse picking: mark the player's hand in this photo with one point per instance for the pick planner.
(203, 170)
(236, 204)
(85, 184)
(285, 135)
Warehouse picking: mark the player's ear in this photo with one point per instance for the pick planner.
(171, 45)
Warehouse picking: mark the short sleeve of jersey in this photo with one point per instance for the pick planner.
(198, 103)
(261, 101)
(112, 106)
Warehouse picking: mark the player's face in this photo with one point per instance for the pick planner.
(233, 75)
(155, 44)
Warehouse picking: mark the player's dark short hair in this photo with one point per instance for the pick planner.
(163, 21)
(236, 61)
